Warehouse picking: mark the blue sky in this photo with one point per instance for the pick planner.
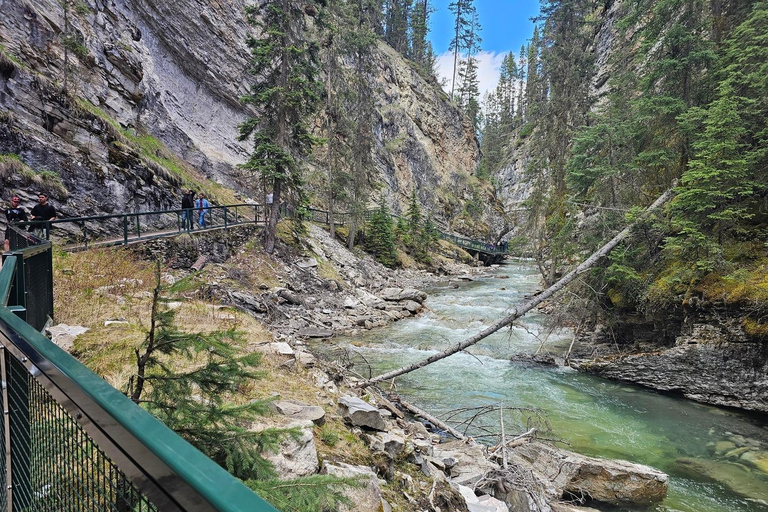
(506, 25)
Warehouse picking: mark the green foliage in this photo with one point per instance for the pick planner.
(284, 64)
(312, 494)
(75, 45)
(191, 382)
(380, 237)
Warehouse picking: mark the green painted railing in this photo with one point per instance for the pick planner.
(74, 443)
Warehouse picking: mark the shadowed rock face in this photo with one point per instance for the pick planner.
(176, 71)
(712, 361)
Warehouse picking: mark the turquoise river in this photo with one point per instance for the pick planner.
(712, 455)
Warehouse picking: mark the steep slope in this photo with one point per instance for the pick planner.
(150, 103)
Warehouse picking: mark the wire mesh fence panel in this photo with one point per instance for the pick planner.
(56, 466)
(39, 294)
(21, 239)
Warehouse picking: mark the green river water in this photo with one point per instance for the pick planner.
(712, 455)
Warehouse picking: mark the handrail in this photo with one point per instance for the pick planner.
(340, 218)
(217, 216)
(170, 471)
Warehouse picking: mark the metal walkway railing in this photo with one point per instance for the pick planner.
(125, 228)
(72, 443)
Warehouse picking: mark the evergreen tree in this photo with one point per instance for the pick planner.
(356, 111)
(380, 238)
(284, 62)
(190, 382)
(464, 13)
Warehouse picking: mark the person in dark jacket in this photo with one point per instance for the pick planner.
(13, 215)
(187, 205)
(43, 212)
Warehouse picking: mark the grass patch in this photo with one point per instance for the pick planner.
(41, 180)
(8, 59)
(156, 155)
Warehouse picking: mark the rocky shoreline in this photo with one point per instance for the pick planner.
(320, 289)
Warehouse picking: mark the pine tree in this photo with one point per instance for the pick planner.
(284, 61)
(194, 401)
(464, 13)
(380, 238)
(190, 382)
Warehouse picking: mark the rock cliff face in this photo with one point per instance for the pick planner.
(128, 100)
(711, 360)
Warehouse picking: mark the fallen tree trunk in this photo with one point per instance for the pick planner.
(526, 306)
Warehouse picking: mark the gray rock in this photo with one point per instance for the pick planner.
(468, 461)
(315, 332)
(360, 413)
(296, 456)
(64, 335)
(299, 411)
(616, 482)
(720, 357)
(307, 263)
(398, 294)
(364, 499)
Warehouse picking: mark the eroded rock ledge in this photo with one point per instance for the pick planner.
(713, 362)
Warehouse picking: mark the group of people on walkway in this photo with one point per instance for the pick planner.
(42, 213)
(191, 204)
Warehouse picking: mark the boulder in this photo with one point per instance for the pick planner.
(398, 294)
(412, 306)
(483, 503)
(299, 411)
(297, 455)
(465, 463)
(616, 482)
(388, 442)
(364, 499)
(64, 335)
(315, 332)
(360, 413)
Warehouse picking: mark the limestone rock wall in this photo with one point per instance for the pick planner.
(173, 73)
(710, 359)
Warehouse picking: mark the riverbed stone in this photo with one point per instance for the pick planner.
(756, 459)
(398, 294)
(616, 482)
(360, 413)
(737, 477)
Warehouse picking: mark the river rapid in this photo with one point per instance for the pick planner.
(701, 447)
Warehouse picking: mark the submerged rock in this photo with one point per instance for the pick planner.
(735, 476)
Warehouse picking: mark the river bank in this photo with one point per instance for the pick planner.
(316, 289)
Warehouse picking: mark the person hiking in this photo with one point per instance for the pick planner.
(187, 200)
(43, 213)
(203, 207)
(15, 213)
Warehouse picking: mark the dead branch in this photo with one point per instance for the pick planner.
(526, 306)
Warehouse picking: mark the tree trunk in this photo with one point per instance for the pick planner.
(526, 306)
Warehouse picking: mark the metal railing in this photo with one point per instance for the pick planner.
(72, 443)
(322, 216)
(125, 228)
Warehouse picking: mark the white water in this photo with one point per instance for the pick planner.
(595, 416)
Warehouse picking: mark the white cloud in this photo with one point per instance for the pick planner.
(488, 67)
